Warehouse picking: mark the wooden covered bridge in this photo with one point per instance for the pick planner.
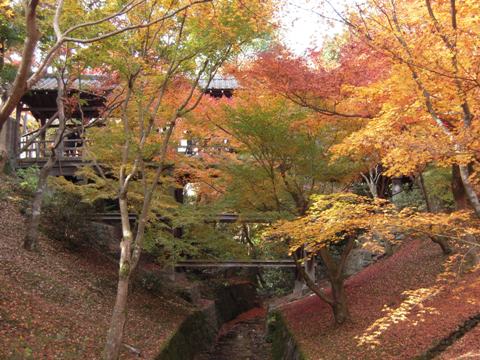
(28, 146)
(37, 108)
(226, 264)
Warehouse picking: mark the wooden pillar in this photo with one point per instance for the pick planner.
(42, 144)
(24, 124)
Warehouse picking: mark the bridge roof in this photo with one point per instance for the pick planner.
(220, 83)
(41, 100)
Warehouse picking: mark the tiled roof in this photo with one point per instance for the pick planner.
(220, 83)
(95, 82)
(84, 83)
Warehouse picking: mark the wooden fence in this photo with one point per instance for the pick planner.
(39, 149)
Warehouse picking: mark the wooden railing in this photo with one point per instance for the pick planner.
(40, 149)
(236, 264)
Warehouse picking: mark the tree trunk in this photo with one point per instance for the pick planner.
(335, 272)
(19, 86)
(458, 191)
(443, 243)
(421, 183)
(119, 317)
(383, 187)
(31, 239)
(339, 306)
(469, 190)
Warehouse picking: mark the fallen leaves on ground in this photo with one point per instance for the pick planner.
(400, 306)
(57, 304)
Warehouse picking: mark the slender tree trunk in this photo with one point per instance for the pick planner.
(31, 238)
(340, 306)
(19, 86)
(469, 190)
(373, 189)
(443, 243)
(33, 223)
(396, 189)
(458, 191)
(421, 183)
(131, 247)
(119, 318)
(335, 272)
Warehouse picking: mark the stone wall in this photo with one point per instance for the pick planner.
(198, 332)
(284, 346)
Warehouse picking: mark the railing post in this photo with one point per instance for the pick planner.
(60, 149)
(36, 149)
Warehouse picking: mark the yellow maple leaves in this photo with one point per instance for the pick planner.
(337, 217)
(6, 9)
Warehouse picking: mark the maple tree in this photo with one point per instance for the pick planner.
(326, 82)
(336, 223)
(279, 151)
(429, 100)
(46, 34)
(159, 70)
(315, 82)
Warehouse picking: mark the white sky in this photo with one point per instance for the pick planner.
(302, 29)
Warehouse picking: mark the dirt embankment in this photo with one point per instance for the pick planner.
(57, 304)
(401, 307)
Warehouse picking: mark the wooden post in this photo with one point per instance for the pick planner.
(41, 144)
(310, 269)
(24, 123)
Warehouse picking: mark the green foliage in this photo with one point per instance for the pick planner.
(438, 182)
(11, 35)
(151, 282)
(202, 237)
(28, 179)
(160, 242)
(284, 156)
(410, 197)
(277, 282)
(65, 219)
(7, 74)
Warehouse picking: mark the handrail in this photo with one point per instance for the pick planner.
(235, 264)
(39, 149)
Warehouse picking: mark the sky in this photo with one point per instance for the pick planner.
(302, 28)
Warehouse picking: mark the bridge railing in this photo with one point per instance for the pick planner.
(236, 264)
(40, 149)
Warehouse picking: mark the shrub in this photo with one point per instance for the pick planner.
(277, 282)
(28, 179)
(438, 182)
(67, 219)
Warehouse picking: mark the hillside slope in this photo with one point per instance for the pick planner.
(400, 306)
(56, 304)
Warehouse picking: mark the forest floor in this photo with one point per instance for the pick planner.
(400, 307)
(57, 304)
